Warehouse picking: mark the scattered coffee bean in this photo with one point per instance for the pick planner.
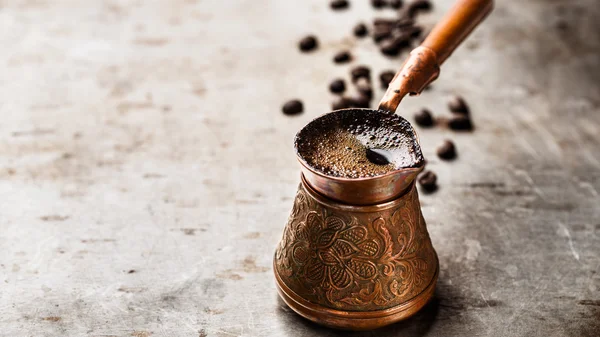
(403, 38)
(388, 47)
(424, 118)
(447, 150)
(308, 43)
(363, 85)
(381, 32)
(392, 46)
(341, 103)
(460, 123)
(457, 105)
(360, 72)
(386, 77)
(360, 30)
(415, 31)
(337, 86)
(396, 4)
(293, 107)
(415, 6)
(342, 57)
(420, 4)
(404, 23)
(360, 101)
(378, 3)
(339, 4)
(382, 22)
(428, 180)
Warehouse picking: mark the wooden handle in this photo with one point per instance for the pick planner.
(423, 65)
(456, 26)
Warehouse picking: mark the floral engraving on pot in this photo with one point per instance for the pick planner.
(356, 260)
(332, 252)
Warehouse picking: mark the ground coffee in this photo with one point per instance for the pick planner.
(358, 144)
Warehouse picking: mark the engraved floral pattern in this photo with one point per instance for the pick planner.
(353, 261)
(333, 253)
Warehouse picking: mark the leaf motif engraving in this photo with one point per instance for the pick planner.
(364, 269)
(301, 232)
(334, 223)
(344, 248)
(313, 223)
(398, 288)
(328, 257)
(354, 234)
(315, 271)
(368, 248)
(300, 254)
(326, 238)
(363, 296)
(340, 277)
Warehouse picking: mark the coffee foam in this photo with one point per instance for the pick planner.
(336, 144)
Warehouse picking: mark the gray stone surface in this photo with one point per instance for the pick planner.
(146, 171)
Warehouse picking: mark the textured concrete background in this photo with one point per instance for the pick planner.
(146, 171)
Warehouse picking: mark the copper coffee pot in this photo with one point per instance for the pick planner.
(355, 253)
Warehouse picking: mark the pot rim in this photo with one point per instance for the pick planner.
(396, 171)
(367, 208)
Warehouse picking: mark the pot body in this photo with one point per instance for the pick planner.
(355, 267)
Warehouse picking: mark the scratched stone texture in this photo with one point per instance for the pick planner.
(146, 171)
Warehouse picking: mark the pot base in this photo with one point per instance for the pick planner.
(354, 320)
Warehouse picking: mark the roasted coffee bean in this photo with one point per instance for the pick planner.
(415, 31)
(420, 4)
(360, 101)
(308, 43)
(360, 72)
(460, 123)
(337, 86)
(382, 22)
(392, 46)
(386, 77)
(341, 103)
(447, 150)
(404, 23)
(360, 30)
(378, 3)
(428, 181)
(363, 85)
(402, 39)
(424, 118)
(413, 7)
(342, 57)
(339, 4)
(457, 105)
(293, 107)
(403, 43)
(389, 47)
(396, 4)
(381, 32)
